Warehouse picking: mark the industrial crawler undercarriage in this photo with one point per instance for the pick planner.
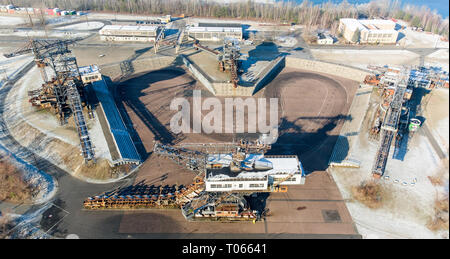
(195, 201)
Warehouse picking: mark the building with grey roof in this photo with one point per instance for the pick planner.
(216, 31)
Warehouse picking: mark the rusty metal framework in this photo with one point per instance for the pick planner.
(64, 93)
(146, 197)
(194, 201)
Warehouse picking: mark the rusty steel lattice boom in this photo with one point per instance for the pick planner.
(77, 111)
(40, 49)
(193, 160)
(390, 124)
(67, 91)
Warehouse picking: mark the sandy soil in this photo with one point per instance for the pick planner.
(299, 211)
(313, 109)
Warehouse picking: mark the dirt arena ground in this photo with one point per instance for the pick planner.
(312, 108)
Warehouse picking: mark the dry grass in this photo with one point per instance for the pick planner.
(440, 219)
(102, 170)
(310, 38)
(436, 180)
(369, 193)
(12, 186)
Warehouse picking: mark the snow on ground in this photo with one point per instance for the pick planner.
(42, 33)
(252, 69)
(363, 58)
(27, 226)
(47, 122)
(439, 58)
(437, 117)
(43, 121)
(45, 184)
(416, 39)
(112, 16)
(98, 140)
(83, 26)
(12, 20)
(10, 66)
(59, 20)
(408, 204)
(286, 41)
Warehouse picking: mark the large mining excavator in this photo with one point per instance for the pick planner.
(64, 94)
(195, 202)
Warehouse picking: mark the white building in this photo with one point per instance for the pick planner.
(257, 173)
(324, 39)
(90, 74)
(370, 31)
(129, 33)
(215, 31)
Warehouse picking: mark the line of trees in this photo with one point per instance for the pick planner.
(325, 16)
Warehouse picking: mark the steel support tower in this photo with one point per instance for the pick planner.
(390, 124)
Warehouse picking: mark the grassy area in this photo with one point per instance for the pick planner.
(12, 187)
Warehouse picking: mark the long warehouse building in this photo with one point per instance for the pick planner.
(216, 31)
(129, 33)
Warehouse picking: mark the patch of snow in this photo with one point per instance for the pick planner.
(12, 20)
(83, 26)
(43, 182)
(42, 33)
(286, 41)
